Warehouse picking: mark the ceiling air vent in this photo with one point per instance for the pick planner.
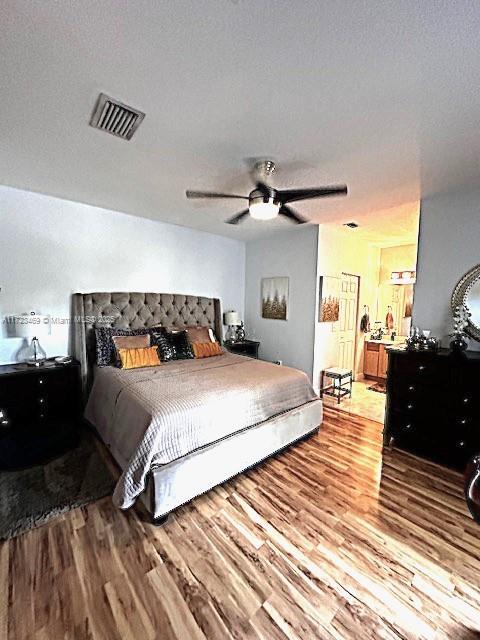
(350, 225)
(115, 117)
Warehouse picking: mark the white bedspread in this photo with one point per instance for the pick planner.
(155, 415)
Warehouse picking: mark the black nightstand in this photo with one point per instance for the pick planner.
(244, 348)
(42, 406)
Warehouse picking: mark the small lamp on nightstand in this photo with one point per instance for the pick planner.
(232, 319)
(31, 326)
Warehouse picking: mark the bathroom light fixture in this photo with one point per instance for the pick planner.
(403, 277)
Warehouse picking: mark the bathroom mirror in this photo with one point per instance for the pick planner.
(467, 292)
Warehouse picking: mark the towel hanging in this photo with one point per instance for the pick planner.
(389, 321)
(365, 320)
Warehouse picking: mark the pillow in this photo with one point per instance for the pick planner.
(131, 342)
(106, 353)
(207, 350)
(199, 334)
(172, 346)
(136, 358)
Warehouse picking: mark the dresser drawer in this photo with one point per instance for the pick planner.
(413, 395)
(40, 395)
(420, 368)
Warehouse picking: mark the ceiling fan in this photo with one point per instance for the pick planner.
(266, 203)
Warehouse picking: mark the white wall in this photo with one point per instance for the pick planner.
(50, 248)
(293, 254)
(449, 246)
(343, 250)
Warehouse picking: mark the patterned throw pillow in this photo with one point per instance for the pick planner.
(136, 358)
(105, 348)
(207, 350)
(172, 346)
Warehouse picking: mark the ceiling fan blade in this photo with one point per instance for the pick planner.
(237, 218)
(291, 215)
(208, 194)
(294, 195)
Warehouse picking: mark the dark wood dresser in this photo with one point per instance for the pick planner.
(433, 405)
(42, 410)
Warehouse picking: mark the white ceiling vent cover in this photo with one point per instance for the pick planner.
(116, 118)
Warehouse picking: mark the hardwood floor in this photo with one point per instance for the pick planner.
(323, 541)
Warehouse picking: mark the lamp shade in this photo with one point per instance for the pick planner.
(31, 325)
(231, 318)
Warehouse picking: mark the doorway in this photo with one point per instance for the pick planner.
(347, 325)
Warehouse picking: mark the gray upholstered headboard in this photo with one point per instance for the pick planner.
(133, 311)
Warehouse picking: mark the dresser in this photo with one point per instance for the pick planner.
(433, 405)
(41, 407)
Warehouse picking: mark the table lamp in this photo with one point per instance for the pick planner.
(232, 319)
(32, 326)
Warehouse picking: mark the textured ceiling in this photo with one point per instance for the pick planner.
(381, 95)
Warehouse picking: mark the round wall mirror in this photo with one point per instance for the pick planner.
(467, 292)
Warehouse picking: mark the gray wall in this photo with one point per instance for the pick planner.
(449, 246)
(50, 248)
(292, 253)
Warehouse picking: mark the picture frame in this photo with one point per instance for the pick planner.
(329, 299)
(274, 298)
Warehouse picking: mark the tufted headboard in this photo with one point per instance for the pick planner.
(133, 311)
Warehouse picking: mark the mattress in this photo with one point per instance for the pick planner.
(155, 415)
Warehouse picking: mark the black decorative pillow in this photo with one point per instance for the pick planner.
(172, 346)
(105, 347)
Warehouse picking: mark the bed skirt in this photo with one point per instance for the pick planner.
(177, 482)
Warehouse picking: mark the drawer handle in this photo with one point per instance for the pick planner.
(41, 400)
(411, 388)
(409, 407)
(466, 400)
(463, 421)
(461, 444)
(421, 367)
(408, 427)
(40, 381)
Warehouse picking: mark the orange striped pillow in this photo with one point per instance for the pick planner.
(136, 358)
(206, 349)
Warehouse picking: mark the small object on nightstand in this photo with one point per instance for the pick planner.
(244, 347)
(240, 336)
(43, 409)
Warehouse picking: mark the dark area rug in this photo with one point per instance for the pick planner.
(379, 387)
(31, 497)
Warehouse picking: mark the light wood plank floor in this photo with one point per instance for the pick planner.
(323, 541)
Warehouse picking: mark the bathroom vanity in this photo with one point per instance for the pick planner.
(375, 358)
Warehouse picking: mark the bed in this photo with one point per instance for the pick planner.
(181, 428)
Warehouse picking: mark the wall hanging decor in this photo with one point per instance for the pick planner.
(275, 298)
(329, 305)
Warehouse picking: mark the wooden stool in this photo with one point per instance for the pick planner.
(341, 384)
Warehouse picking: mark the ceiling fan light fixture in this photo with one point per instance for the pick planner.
(264, 210)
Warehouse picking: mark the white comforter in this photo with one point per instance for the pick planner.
(155, 415)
